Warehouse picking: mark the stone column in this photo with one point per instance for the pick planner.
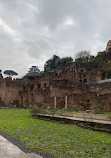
(66, 102)
(55, 102)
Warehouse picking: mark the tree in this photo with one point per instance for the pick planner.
(56, 62)
(51, 63)
(83, 54)
(33, 69)
(10, 73)
(63, 61)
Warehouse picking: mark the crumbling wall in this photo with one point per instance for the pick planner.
(9, 92)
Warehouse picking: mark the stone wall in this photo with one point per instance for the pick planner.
(76, 84)
(9, 92)
(65, 88)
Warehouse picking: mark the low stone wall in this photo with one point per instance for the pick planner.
(88, 116)
(105, 127)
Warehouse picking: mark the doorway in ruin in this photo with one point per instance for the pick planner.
(16, 103)
(109, 75)
(39, 86)
(103, 76)
(62, 101)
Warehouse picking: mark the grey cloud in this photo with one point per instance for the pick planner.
(32, 31)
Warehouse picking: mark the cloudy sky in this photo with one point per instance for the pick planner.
(31, 31)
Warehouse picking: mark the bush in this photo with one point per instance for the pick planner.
(85, 105)
(38, 110)
(94, 63)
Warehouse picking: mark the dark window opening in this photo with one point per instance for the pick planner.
(45, 84)
(32, 87)
(57, 74)
(39, 86)
(82, 70)
(80, 82)
(85, 81)
(109, 76)
(93, 79)
(103, 76)
(71, 69)
(88, 101)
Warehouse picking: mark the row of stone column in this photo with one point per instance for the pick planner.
(55, 102)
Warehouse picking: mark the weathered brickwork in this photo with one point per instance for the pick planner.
(9, 91)
(73, 85)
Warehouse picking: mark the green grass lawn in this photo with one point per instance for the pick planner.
(59, 140)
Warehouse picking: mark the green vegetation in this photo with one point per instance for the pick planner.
(85, 105)
(33, 70)
(102, 61)
(10, 73)
(39, 110)
(59, 140)
(56, 62)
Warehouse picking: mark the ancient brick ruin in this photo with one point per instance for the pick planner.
(75, 85)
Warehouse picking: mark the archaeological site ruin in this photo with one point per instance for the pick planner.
(83, 84)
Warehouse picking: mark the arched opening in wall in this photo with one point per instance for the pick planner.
(103, 76)
(80, 82)
(31, 87)
(45, 84)
(57, 74)
(39, 86)
(82, 70)
(31, 78)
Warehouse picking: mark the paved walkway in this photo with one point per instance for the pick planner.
(85, 118)
(97, 118)
(8, 150)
